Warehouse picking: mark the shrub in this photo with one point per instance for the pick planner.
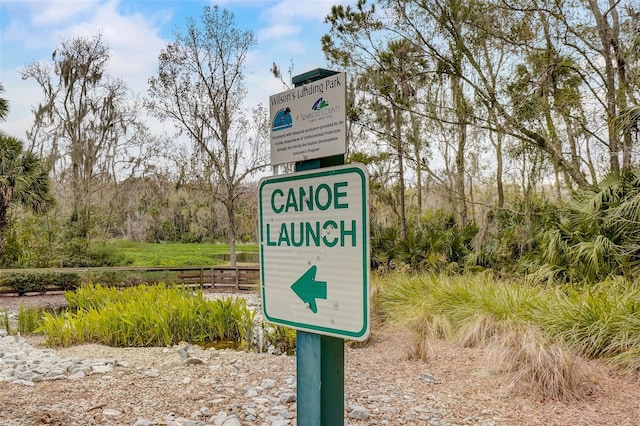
(25, 282)
(102, 254)
(512, 233)
(79, 252)
(594, 236)
(65, 280)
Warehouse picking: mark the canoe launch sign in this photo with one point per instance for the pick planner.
(314, 250)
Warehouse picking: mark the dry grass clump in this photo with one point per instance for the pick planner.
(425, 331)
(478, 331)
(533, 363)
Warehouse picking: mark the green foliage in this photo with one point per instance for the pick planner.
(34, 241)
(383, 243)
(44, 241)
(147, 316)
(80, 252)
(24, 282)
(4, 105)
(4, 321)
(23, 182)
(116, 278)
(598, 321)
(176, 254)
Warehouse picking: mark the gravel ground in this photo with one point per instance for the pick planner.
(382, 387)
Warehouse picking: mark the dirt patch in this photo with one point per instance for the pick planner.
(12, 303)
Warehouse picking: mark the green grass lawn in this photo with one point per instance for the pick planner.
(179, 254)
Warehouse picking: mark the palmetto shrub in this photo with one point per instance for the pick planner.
(437, 242)
(596, 236)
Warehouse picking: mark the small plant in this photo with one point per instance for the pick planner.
(4, 321)
(281, 339)
(29, 319)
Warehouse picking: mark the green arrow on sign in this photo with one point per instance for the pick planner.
(308, 289)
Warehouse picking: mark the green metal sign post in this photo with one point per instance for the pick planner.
(319, 359)
(314, 236)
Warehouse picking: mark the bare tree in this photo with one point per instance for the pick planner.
(200, 87)
(84, 123)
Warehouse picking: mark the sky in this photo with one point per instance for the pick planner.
(137, 30)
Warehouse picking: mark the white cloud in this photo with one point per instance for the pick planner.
(286, 10)
(287, 30)
(277, 31)
(38, 28)
(290, 33)
(53, 12)
(22, 95)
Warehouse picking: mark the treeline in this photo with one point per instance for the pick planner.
(592, 237)
(486, 101)
(498, 135)
(153, 209)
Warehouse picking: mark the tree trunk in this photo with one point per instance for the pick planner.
(418, 180)
(499, 168)
(231, 233)
(403, 214)
(606, 39)
(3, 228)
(460, 108)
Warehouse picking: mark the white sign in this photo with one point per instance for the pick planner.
(309, 121)
(314, 250)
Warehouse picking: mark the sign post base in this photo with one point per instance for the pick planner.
(320, 380)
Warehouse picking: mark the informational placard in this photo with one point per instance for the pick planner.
(309, 121)
(314, 250)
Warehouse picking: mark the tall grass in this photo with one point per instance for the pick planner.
(540, 329)
(599, 321)
(459, 299)
(156, 315)
(532, 361)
